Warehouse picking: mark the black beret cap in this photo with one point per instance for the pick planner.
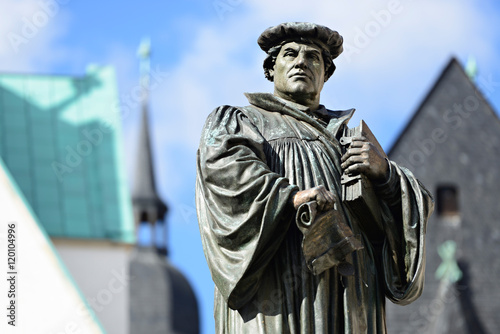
(327, 38)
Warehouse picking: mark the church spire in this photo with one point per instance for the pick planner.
(147, 204)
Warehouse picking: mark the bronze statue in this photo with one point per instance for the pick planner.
(305, 223)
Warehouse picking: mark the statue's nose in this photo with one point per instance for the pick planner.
(300, 62)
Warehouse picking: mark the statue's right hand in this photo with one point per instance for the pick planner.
(323, 197)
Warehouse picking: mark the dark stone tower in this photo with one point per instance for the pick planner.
(452, 144)
(161, 299)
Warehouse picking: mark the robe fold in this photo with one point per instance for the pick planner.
(251, 160)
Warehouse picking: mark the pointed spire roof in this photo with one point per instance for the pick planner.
(147, 204)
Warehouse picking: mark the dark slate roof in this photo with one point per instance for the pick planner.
(147, 204)
(162, 300)
(453, 65)
(454, 139)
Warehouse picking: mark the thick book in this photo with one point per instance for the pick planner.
(358, 192)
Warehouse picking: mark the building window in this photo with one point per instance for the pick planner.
(447, 200)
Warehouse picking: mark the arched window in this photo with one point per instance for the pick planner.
(447, 200)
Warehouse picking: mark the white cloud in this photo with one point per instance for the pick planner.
(408, 42)
(385, 80)
(28, 30)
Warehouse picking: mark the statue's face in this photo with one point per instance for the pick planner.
(299, 71)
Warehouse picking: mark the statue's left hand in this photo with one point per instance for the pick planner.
(363, 157)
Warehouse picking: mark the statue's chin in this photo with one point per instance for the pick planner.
(298, 91)
(301, 96)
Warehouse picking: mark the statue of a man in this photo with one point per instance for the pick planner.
(258, 164)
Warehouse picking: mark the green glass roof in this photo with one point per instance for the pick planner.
(60, 138)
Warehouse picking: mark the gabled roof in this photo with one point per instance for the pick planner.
(453, 142)
(60, 138)
(453, 65)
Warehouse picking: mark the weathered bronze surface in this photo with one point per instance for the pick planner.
(327, 239)
(280, 263)
(357, 190)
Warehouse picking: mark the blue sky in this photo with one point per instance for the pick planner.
(207, 53)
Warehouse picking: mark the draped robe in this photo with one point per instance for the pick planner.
(251, 160)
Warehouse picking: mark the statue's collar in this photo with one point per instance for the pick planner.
(331, 119)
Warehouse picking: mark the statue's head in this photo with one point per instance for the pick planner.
(299, 56)
(327, 40)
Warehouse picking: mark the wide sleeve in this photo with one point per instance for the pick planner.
(243, 207)
(406, 210)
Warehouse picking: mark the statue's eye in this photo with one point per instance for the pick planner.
(314, 56)
(289, 53)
